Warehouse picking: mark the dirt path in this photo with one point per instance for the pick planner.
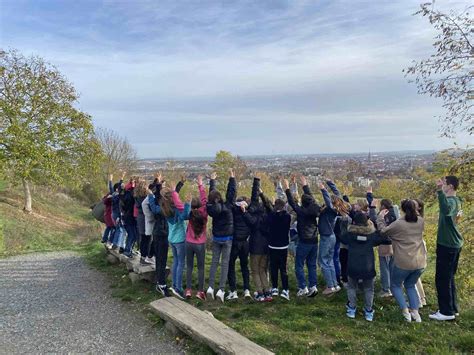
(53, 302)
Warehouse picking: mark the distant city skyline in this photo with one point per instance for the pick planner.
(180, 78)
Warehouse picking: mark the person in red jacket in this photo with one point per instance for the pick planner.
(109, 221)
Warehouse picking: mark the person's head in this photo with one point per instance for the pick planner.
(342, 207)
(140, 189)
(451, 185)
(196, 203)
(360, 219)
(386, 204)
(307, 200)
(279, 204)
(361, 205)
(117, 186)
(166, 202)
(410, 211)
(420, 207)
(215, 196)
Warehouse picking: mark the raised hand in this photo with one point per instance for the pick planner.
(111, 177)
(322, 186)
(158, 176)
(123, 174)
(183, 177)
(172, 184)
(293, 179)
(439, 183)
(369, 189)
(199, 180)
(189, 197)
(231, 173)
(303, 180)
(286, 184)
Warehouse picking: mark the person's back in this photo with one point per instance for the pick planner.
(279, 227)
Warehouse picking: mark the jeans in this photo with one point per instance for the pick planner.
(368, 287)
(344, 258)
(446, 266)
(407, 278)
(145, 245)
(108, 234)
(259, 267)
(239, 250)
(278, 258)
(178, 265)
(118, 235)
(306, 253)
(386, 265)
(220, 251)
(326, 254)
(151, 249)
(200, 251)
(131, 229)
(337, 265)
(161, 257)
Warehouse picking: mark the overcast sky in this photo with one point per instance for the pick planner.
(188, 78)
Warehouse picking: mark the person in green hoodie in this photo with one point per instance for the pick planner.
(448, 248)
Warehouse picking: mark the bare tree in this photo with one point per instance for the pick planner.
(119, 154)
(448, 72)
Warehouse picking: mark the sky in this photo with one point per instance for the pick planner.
(189, 78)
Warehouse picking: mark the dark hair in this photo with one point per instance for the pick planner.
(196, 219)
(386, 204)
(409, 208)
(421, 207)
(116, 186)
(452, 180)
(279, 204)
(361, 219)
(166, 203)
(307, 200)
(215, 196)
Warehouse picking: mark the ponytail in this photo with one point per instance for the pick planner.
(197, 221)
(409, 208)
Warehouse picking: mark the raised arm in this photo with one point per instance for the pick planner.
(333, 187)
(445, 208)
(231, 188)
(326, 197)
(266, 202)
(369, 196)
(255, 190)
(153, 203)
(177, 201)
(111, 187)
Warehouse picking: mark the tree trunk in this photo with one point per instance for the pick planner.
(26, 190)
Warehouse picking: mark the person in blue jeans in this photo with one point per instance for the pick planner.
(117, 191)
(127, 204)
(333, 206)
(307, 247)
(176, 214)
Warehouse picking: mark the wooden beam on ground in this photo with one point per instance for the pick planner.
(203, 327)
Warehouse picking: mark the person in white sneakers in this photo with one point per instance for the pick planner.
(448, 248)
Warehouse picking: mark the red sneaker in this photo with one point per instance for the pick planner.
(201, 295)
(188, 293)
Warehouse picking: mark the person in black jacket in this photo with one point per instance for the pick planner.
(361, 238)
(222, 231)
(127, 204)
(278, 241)
(254, 216)
(307, 248)
(240, 249)
(160, 237)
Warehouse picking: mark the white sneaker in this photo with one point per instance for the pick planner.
(441, 317)
(313, 291)
(285, 294)
(275, 292)
(210, 292)
(415, 316)
(247, 294)
(385, 294)
(220, 295)
(302, 292)
(232, 296)
(407, 316)
(108, 245)
(255, 294)
(337, 288)
(150, 260)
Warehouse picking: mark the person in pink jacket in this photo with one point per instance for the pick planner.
(196, 238)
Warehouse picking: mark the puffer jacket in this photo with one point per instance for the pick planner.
(255, 219)
(307, 224)
(221, 211)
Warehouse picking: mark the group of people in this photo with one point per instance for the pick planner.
(260, 231)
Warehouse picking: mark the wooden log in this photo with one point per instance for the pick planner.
(204, 328)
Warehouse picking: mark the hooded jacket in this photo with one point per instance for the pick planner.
(361, 241)
(328, 215)
(221, 211)
(255, 219)
(307, 224)
(241, 228)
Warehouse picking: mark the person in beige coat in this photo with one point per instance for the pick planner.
(409, 253)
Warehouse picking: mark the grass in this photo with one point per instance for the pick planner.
(317, 325)
(58, 222)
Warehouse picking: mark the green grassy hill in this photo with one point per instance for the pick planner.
(58, 222)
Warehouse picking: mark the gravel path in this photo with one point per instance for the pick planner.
(53, 302)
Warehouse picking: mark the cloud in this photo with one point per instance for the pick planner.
(238, 74)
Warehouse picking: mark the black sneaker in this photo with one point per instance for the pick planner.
(121, 250)
(163, 289)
